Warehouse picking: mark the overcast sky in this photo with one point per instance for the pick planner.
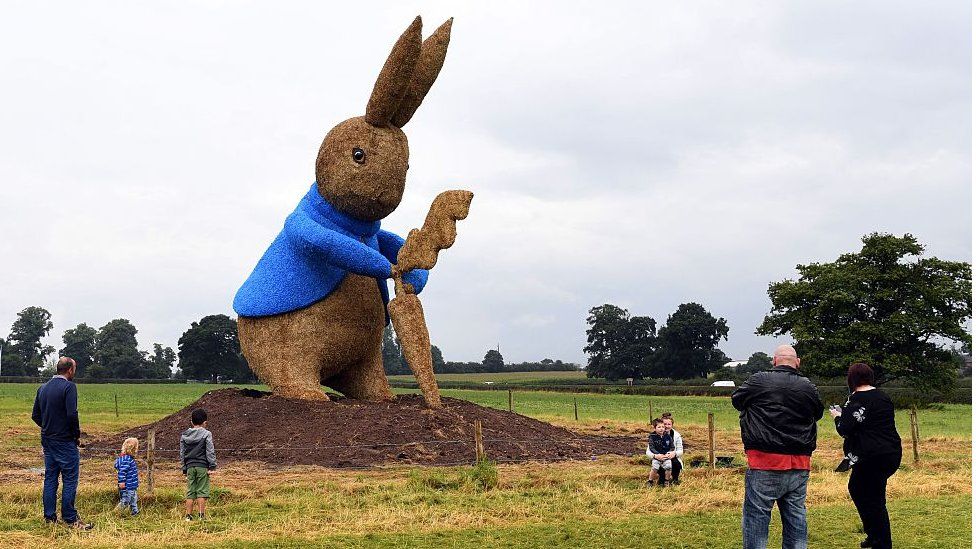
(644, 154)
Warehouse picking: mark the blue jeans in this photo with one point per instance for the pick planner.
(788, 490)
(129, 499)
(60, 458)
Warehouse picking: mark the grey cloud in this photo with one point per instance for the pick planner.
(645, 155)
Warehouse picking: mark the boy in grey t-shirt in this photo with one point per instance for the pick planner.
(198, 457)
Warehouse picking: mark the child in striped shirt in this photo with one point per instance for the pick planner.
(128, 476)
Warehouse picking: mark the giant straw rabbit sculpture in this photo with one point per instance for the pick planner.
(313, 310)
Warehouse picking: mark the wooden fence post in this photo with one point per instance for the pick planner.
(913, 423)
(150, 460)
(479, 442)
(116, 405)
(575, 410)
(509, 400)
(711, 440)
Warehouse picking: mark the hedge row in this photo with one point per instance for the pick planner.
(27, 379)
(903, 397)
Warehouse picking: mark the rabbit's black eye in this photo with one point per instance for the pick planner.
(359, 155)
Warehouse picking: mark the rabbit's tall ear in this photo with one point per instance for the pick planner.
(391, 85)
(432, 54)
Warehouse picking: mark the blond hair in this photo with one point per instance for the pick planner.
(130, 446)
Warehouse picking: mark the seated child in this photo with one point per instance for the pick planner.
(199, 459)
(128, 476)
(659, 443)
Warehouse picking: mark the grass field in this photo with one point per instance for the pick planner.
(600, 503)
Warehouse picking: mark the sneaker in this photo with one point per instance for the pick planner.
(201, 516)
(78, 525)
(50, 521)
(188, 518)
(650, 483)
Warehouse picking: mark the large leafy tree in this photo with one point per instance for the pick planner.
(618, 344)
(437, 358)
(688, 344)
(23, 352)
(159, 365)
(79, 344)
(758, 362)
(210, 348)
(885, 305)
(10, 362)
(116, 352)
(493, 361)
(393, 361)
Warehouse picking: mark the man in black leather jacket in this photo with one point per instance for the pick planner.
(778, 414)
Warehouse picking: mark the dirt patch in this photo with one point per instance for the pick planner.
(254, 425)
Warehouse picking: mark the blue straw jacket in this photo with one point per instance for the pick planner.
(310, 257)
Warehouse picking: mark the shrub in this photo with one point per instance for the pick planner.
(481, 477)
(484, 474)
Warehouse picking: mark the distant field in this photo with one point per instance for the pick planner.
(140, 404)
(522, 377)
(946, 419)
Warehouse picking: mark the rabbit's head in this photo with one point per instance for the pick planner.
(362, 165)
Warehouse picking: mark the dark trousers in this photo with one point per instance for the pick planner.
(60, 459)
(867, 486)
(675, 471)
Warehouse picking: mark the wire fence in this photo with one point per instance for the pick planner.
(711, 452)
(494, 448)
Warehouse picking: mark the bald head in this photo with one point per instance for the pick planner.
(785, 355)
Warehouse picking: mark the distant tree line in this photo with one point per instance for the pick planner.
(906, 315)
(623, 346)
(395, 364)
(208, 350)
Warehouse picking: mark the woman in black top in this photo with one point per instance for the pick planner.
(873, 447)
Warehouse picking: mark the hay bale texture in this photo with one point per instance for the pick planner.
(420, 252)
(313, 310)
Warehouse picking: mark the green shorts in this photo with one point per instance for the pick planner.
(197, 483)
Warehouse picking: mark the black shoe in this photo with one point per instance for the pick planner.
(78, 525)
(50, 521)
(868, 542)
(201, 516)
(189, 518)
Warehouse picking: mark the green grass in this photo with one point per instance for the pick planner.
(592, 504)
(140, 404)
(926, 524)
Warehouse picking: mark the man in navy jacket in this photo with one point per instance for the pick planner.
(56, 413)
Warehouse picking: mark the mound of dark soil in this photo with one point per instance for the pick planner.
(254, 425)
